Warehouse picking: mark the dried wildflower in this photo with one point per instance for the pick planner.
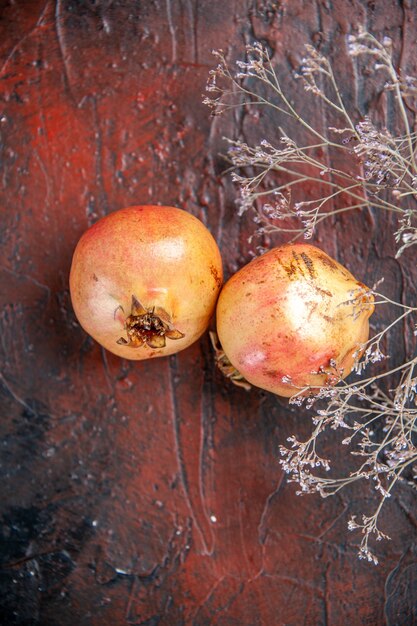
(381, 162)
(358, 407)
(379, 170)
(377, 150)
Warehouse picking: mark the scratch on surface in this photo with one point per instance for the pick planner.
(261, 528)
(221, 608)
(297, 583)
(207, 597)
(172, 31)
(315, 540)
(242, 536)
(33, 557)
(193, 28)
(181, 463)
(14, 395)
(261, 525)
(23, 39)
(63, 47)
(27, 277)
(323, 113)
(407, 512)
(326, 599)
(106, 368)
(407, 41)
(50, 180)
(205, 474)
(333, 523)
(201, 483)
(221, 214)
(133, 592)
(99, 158)
(43, 167)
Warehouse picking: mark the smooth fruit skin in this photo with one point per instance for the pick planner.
(161, 257)
(293, 318)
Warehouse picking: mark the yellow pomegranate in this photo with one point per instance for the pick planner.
(293, 319)
(144, 281)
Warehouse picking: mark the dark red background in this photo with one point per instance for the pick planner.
(151, 492)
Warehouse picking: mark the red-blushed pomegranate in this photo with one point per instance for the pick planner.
(293, 319)
(144, 281)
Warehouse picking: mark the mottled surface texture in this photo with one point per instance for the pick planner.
(151, 492)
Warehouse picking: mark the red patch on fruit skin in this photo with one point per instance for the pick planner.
(274, 375)
(298, 377)
(250, 362)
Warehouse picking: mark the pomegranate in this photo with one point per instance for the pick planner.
(144, 281)
(292, 320)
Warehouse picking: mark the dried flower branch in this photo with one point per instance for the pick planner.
(379, 412)
(375, 160)
(362, 407)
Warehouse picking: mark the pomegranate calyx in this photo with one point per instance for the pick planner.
(148, 326)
